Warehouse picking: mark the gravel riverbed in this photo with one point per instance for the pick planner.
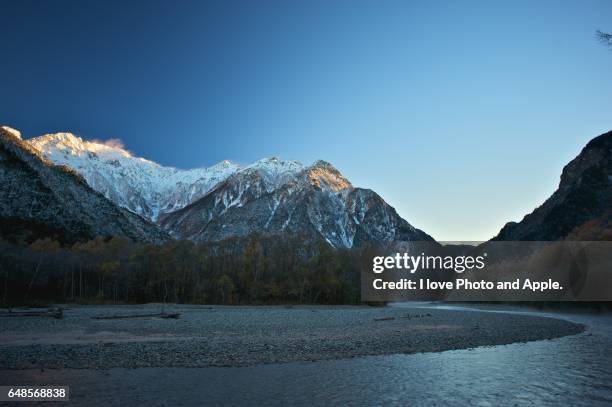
(207, 336)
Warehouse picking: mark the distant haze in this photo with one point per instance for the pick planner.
(461, 115)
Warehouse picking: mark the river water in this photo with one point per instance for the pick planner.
(574, 370)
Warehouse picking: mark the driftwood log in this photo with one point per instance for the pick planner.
(160, 315)
(384, 318)
(53, 313)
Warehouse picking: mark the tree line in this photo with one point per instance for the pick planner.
(253, 270)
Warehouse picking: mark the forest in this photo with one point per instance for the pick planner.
(41, 268)
(253, 270)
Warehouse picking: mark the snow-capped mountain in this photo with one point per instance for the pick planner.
(271, 196)
(140, 185)
(317, 202)
(39, 199)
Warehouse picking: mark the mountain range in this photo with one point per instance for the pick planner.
(80, 189)
(142, 186)
(271, 196)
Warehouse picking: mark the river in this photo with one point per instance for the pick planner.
(573, 370)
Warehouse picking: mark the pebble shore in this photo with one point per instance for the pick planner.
(206, 336)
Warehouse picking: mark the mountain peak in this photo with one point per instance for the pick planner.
(602, 141)
(325, 176)
(13, 132)
(58, 138)
(275, 165)
(322, 164)
(72, 144)
(275, 161)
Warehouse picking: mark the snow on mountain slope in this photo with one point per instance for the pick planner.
(140, 185)
(318, 202)
(270, 196)
(39, 199)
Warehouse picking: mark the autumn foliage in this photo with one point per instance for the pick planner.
(254, 270)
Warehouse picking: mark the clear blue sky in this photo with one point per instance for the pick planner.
(460, 114)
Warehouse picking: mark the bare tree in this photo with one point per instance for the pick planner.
(604, 38)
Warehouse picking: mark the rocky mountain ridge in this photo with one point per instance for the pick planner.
(40, 199)
(270, 196)
(584, 195)
(142, 186)
(318, 202)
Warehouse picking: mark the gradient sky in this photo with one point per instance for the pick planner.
(461, 114)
